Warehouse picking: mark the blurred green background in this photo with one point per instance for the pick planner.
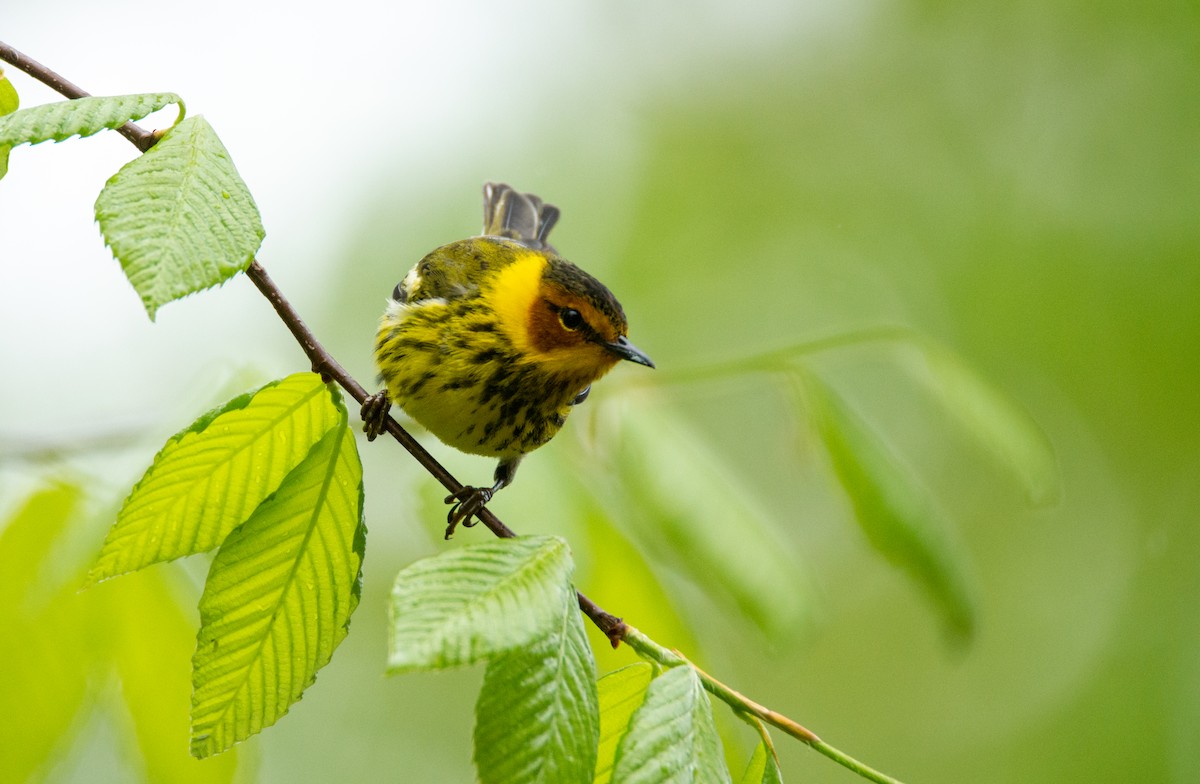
(1018, 182)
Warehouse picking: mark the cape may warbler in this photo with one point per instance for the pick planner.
(488, 342)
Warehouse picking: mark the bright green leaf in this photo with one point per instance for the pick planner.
(9, 100)
(537, 717)
(210, 477)
(279, 597)
(79, 117)
(9, 103)
(477, 601)
(698, 516)
(763, 767)
(896, 513)
(179, 218)
(995, 421)
(672, 738)
(621, 693)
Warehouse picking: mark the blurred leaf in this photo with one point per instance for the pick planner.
(78, 117)
(763, 767)
(179, 218)
(212, 475)
(696, 515)
(893, 510)
(149, 635)
(26, 541)
(42, 649)
(671, 737)
(279, 596)
(464, 605)
(995, 421)
(537, 716)
(618, 571)
(621, 693)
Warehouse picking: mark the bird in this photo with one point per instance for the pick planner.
(489, 342)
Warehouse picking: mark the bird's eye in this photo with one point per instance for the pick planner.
(570, 319)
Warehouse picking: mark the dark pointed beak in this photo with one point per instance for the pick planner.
(626, 350)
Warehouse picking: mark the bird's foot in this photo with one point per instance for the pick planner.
(468, 502)
(375, 414)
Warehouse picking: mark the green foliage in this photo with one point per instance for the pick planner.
(78, 117)
(896, 513)
(621, 694)
(273, 477)
(763, 767)
(671, 737)
(510, 602)
(179, 218)
(65, 649)
(45, 683)
(279, 596)
(468, 604)
(689, 509)
(536, 719)
(212, 475)
(992, 419)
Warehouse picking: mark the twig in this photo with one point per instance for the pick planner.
(743, 704)
(330, 369)
(141, 138)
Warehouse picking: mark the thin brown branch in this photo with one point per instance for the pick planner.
(138, 136)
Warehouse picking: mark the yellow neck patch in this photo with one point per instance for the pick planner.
(513, 293)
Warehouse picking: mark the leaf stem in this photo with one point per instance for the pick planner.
(330, 369)
(743, 704)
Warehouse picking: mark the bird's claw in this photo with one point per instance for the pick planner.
(468, 502)
(374, 414)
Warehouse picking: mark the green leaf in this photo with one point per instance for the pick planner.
(537, 716)
(896, 513)
(279, 597)
(621, 693)
(9, 100)
(179, 218)
(210, 477)
(79, 117)
(763, 767)
(696, 515)
(9, 103)
(464, 605)
(672, 738)
(995, 422)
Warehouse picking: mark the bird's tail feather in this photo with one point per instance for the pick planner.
(519, 216)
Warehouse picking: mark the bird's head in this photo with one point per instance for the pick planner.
(561, 317)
